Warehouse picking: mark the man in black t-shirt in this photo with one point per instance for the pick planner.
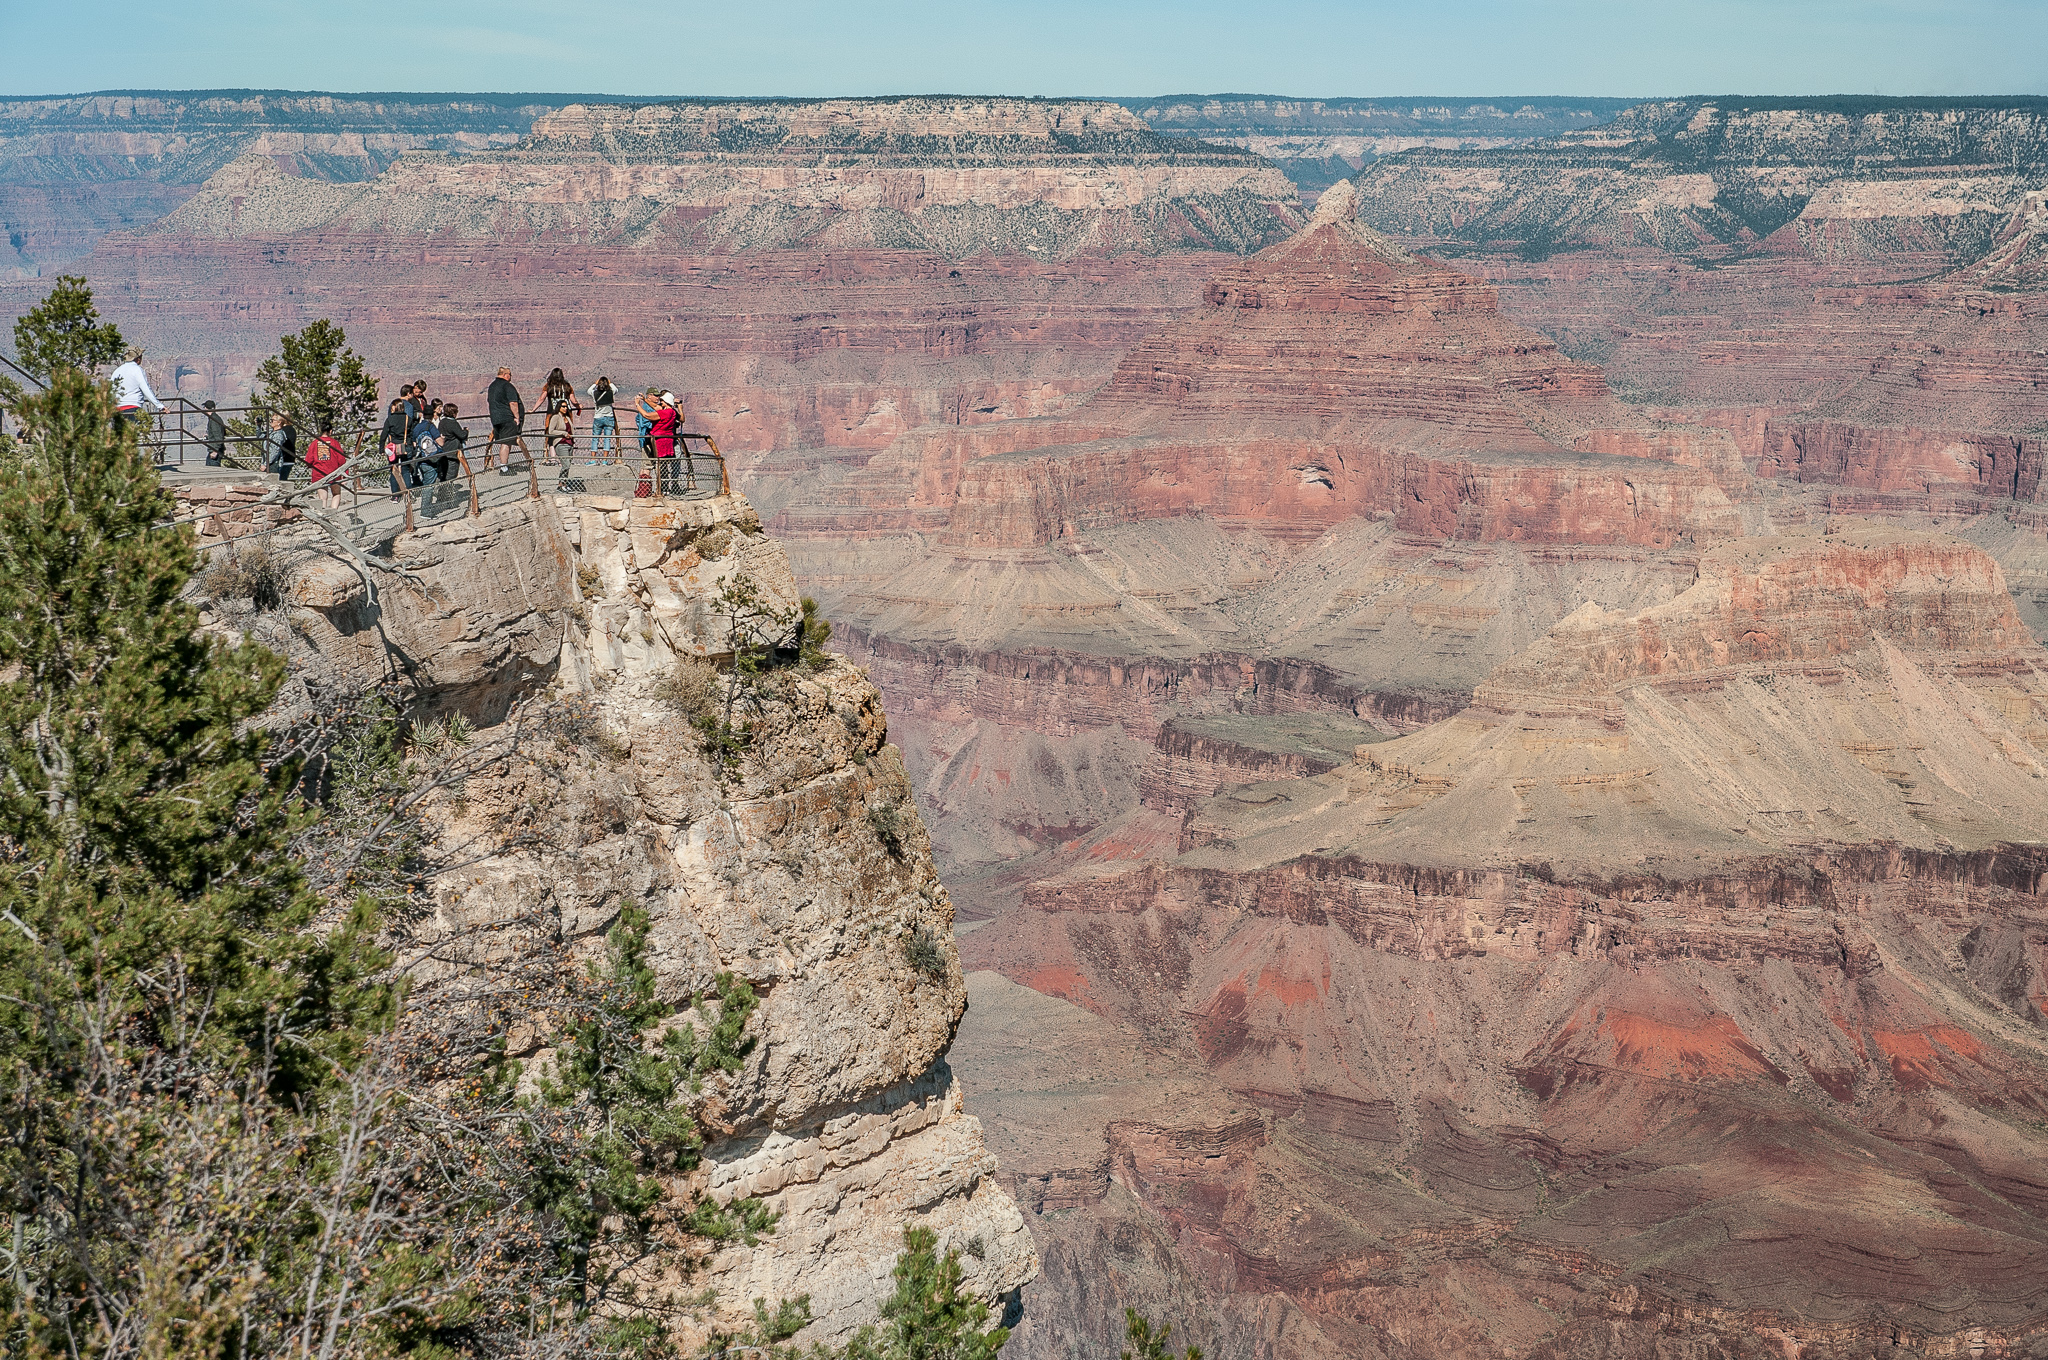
(508, 414)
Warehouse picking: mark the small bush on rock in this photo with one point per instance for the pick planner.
(887, 822)
(744, 1220)
(256, 571)
(921, 946)
(691, 688)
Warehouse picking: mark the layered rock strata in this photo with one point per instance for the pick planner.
(1847, 179)
(1690, 983)
(844, 1119)
(1321, 141)
(74, 168)
(1849, 287)
(1055, 178)
(1332, 376)
(1342, 459)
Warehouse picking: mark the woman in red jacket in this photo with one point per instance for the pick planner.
(667, 420)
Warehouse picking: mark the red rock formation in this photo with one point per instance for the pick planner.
(1329, 377)
(1301, 445)
(1705, 926)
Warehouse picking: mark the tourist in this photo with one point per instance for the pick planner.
(279, 446)
(216, 440)
(393, 439)
(454, 434)
(131, 389)
(325, 457)
(426, 453)
(604, 423)
(561, 406)
(644, 411)
(415, 395)
(508, 417)
(666, 421)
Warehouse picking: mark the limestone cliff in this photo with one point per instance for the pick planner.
(803, 872)
(959, 176)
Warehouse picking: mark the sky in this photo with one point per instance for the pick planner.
(1026, 47)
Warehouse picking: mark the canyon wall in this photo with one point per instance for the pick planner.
(1849, 286)
(1321, 141)
(1342, 458)
(1628, 1005)
(77, 167)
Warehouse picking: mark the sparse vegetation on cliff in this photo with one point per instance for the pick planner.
(930, 1316)
(257, 571)
(1150, 1344)
(921, 946)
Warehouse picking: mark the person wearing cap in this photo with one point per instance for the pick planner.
(131, 389)
(668, 418)
(216, 440)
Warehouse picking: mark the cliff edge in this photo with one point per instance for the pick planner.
(798, 865)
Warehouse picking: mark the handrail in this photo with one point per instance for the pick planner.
(414, 494)
(24, 372)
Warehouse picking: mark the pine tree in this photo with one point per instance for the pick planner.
(1150, 1344)
(928, 1317)
(64, 330)
(317, 381)
(148, 902)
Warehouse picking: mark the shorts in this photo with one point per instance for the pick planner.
(507, 433)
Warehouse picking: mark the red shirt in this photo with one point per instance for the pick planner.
(665, 423)
(325, 456)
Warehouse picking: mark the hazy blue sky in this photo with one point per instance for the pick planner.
(1053, 47)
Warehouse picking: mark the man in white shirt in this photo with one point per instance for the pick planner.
(131, 390)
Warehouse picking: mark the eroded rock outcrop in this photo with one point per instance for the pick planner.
(846, 1119)
(802, 869)
(1630, 1003)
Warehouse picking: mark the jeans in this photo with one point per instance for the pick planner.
(602, 431)
(646, 428)
(669, 471)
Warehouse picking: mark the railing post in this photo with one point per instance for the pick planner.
(469, 472)
(724, 481)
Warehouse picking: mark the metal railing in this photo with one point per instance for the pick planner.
(382, 497)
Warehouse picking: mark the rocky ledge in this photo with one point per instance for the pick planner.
(804, 870)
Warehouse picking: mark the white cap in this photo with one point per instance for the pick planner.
(669, 397)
